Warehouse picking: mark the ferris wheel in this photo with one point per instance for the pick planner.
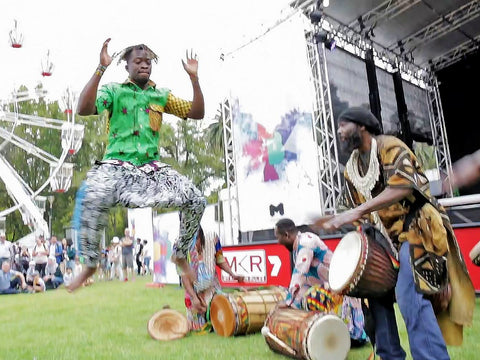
(16, 128)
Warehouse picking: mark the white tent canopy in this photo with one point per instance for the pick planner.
(28, 241)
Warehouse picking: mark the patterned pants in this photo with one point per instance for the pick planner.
(109, 184)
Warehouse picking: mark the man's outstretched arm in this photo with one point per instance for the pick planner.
(86, 102)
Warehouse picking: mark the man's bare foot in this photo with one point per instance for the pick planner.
(81, 278)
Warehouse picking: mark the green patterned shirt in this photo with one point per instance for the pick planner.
(135, 118)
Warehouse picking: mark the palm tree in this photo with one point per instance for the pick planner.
(214, 131)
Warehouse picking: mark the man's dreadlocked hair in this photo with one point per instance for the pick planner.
(125, 53)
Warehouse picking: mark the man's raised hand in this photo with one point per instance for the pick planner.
(191, 64)
(105, 59)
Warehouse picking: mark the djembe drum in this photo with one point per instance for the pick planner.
(167, 324)
(243, 312)
(306, 335)
(361, 267)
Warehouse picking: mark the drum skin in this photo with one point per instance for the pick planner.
(167, 324)
(308, 335)
(374, 274)
(243, 312)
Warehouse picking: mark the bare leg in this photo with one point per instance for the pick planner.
(80, 279)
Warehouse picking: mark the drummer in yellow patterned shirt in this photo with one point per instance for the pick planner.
(385, 185)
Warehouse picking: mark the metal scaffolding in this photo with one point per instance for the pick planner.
(439, 132)
(441, 26)
(381, 13)
(324, 128)
(455, 54)
(230, 166)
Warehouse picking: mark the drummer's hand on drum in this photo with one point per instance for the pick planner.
(198, 305)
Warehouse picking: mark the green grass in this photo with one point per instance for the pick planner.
(108, 320)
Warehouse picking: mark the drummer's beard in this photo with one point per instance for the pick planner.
(352, 142)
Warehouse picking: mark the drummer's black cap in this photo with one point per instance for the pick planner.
(362, 116)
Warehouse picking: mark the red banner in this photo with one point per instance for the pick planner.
(261, 265)
(270, 264)
(467, 238)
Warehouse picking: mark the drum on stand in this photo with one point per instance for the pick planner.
(243, 312)
(361, 267)
(306, 335)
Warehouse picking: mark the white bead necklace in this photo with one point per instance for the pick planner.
(364, 184)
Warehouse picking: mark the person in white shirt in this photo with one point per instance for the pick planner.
(5, 249)
(78, 267)
(40, 256)
(116, 256)
(68, 277)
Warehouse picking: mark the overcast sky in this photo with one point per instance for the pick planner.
(74, 31)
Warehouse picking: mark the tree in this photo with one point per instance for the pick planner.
(426, 155)
(35, 171)
(186, 148)
(214, 133)
(30, 168)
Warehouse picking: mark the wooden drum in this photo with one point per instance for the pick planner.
(243, 312)
(361, 267)
(306, 335)
(167, 324)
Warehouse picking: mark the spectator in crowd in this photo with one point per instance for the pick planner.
(30, 273)
(6, 251)
(77, 269)
(71, 253)
(63, 264)
(104, 265)
(53, 275)
(25, 259)
(51, 266)
(139, 256)
(146, 257)
(38, 285)
(116, 257)
(11, 281)
(127, 254)
(40, 255)
(68, 277)
(17, 266)
(56, 249)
